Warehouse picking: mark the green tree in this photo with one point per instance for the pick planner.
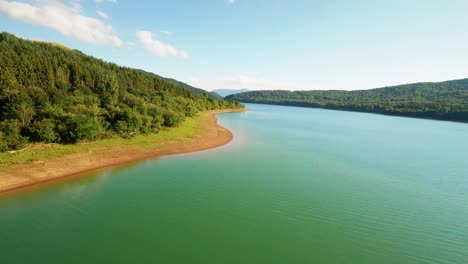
(3, 143)
(172, 118)
(82, 127)
(44, 130)
(11, 130)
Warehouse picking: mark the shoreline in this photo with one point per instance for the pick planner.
(19, 177)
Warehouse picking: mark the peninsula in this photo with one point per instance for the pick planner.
(195, 134)
(64, 113)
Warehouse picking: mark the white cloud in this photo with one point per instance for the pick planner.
(231, 2)
(102, 1)
(166, 32)
(158, 47)
(102, 14)
(244, 82)
(66, 19)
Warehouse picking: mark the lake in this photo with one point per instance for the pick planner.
(296, 185)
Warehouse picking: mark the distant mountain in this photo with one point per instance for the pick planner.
(225, 92)
(440, 100)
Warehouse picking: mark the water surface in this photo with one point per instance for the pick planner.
(296, 185)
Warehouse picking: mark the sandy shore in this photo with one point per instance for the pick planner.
(18, 177)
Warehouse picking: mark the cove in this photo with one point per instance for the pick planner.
(296, 185)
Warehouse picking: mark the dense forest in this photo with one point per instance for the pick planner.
(49, 93)
(443, 100)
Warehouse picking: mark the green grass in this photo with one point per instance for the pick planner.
(189, 128)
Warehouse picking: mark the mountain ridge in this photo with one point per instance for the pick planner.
(446, 100)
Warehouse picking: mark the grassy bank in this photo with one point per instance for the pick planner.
(36, 152)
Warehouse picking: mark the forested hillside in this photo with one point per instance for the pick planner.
(184, 85)
(443, 100)
(195, 90)
(49, 93)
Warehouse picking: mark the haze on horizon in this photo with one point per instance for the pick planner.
(291, 45)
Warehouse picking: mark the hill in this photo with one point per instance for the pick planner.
(440, 100)
(183, 85)
(194, 89)
(52, 94)
(225, 92)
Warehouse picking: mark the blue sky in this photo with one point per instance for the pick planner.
(260, 44)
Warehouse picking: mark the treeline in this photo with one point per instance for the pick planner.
(443, 100)
(193, 89)
(49, 93)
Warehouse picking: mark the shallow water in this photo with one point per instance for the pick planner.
(296, 185)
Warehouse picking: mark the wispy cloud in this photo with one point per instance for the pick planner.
(166, 32)
(101, 1)
(66, 19)
(244, 82)
(158, 47)
(102, 14)
(231, 2)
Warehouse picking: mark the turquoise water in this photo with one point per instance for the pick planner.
(296, 185)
